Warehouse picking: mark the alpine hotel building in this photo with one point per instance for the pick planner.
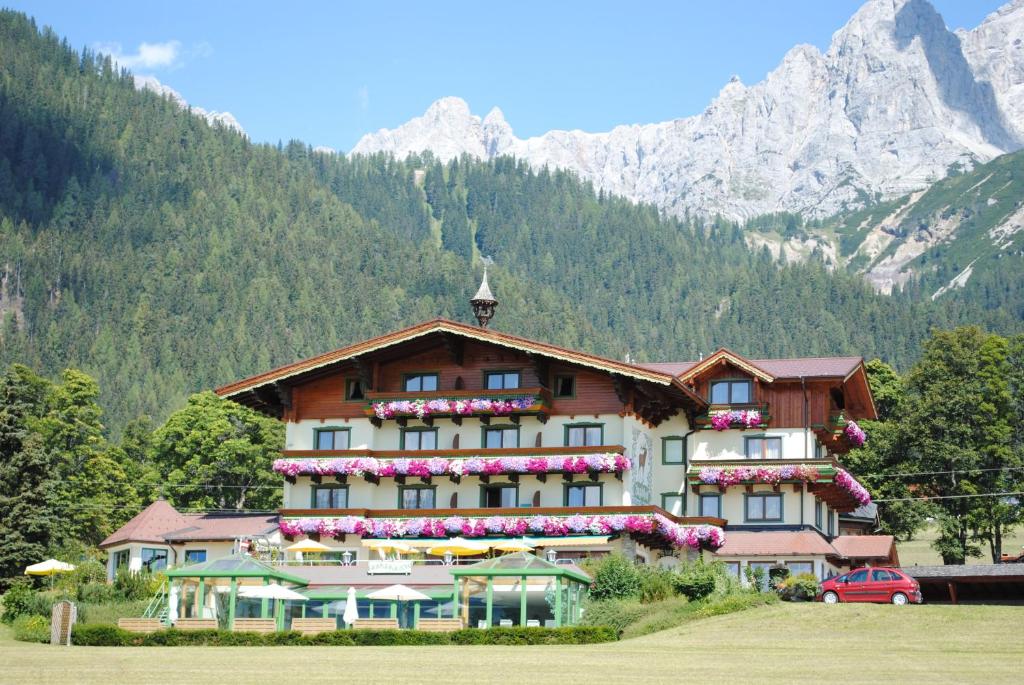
(446, 430)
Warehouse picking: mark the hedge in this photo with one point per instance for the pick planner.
(101, 635)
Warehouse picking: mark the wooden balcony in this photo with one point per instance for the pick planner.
(380, 406)
(389, 456)
(703, 421)
(832, 433)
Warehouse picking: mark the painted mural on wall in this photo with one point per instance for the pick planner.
(641, 457)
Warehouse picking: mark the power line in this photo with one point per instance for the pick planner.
(941, 473)
(925, 498)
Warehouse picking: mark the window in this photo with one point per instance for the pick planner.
(733, 568)
(354, 389)
(763, 448)
(764, 507)
(332, 438)
(583, 496)
(121, 558)
(499, 496)
(501, 380)
(673, 451)
(501, 437)
(819, 514)
(731, 392)
(419, 439)
(858, 576)
(195, 556)
(674, 503)
(565, 386)
(154, 559)
(831, 522)
(765, 566)
(420, 382)
(330, 497)
(416, 497)
(587, 434)
(711, 505)
(883, 576)
(798, 567)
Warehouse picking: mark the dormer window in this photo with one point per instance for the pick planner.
(732, 392)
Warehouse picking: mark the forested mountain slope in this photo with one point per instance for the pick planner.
(163, 255)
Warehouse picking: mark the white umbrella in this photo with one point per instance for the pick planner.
(351, 614)
(400, 593)
(273, 591)
(48, 568)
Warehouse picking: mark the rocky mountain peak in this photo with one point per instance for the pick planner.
(895, 101)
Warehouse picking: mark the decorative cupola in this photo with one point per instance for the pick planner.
(483, 302)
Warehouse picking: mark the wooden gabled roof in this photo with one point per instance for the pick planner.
(445, 326)
(723, 354)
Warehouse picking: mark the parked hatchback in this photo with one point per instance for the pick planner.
(871, 585)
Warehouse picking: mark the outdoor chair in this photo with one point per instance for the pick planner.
(140, 625)
(255, 625)
(312, 626)
(196, 624)
(376, 624)
(505, 623)
(439, 625)
(532, 623)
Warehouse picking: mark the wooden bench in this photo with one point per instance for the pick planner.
(255, 625)
(439, 625)
(140, 625)
(196, 624)
(312, 626)
(376, 624)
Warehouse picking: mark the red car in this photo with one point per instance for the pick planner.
(871, 585)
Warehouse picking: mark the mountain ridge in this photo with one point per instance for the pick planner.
(820, 134)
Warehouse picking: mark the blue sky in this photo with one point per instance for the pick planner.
(328, 72)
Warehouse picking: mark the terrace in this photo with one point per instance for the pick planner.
(458, 404)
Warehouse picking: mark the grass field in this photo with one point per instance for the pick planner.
(919, 550)
(784, 643)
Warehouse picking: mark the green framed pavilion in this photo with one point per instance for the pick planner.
(518, 588)
(219, 576)
(327, 601)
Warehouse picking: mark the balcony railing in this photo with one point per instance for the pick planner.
(824, 477)
(649, 524)
(458, 404)
(840, 432)
(512, 463)
(741, 416)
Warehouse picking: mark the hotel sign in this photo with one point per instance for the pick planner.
(389, 566)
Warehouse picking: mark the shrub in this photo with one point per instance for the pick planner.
(22, 600)
(98, 635)
(757, 578)
(97, 593)
(615, 577)
(656, 583)
(696, 581)
(799, 588)
(614, 613)
(734, 602)
(31, 629)
(133, 585)
(109, 612)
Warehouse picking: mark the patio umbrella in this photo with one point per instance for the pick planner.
(390, 546)
(522, 545)
(399, 593)
(460, 547)
(308, 546)
(273, 591)
(351, 614)
(48, 568)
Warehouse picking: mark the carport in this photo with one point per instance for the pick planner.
(978, 583)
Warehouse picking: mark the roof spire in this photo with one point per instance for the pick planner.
(483, 302)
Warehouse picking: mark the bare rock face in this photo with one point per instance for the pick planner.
(895, 102)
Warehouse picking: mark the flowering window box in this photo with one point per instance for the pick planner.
(832, 480)
(652, 525)
(373, 468)
(457, 404)
(844, 429)
(741, 416)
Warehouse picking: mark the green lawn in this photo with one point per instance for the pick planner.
(919, 550)
(784, 643)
